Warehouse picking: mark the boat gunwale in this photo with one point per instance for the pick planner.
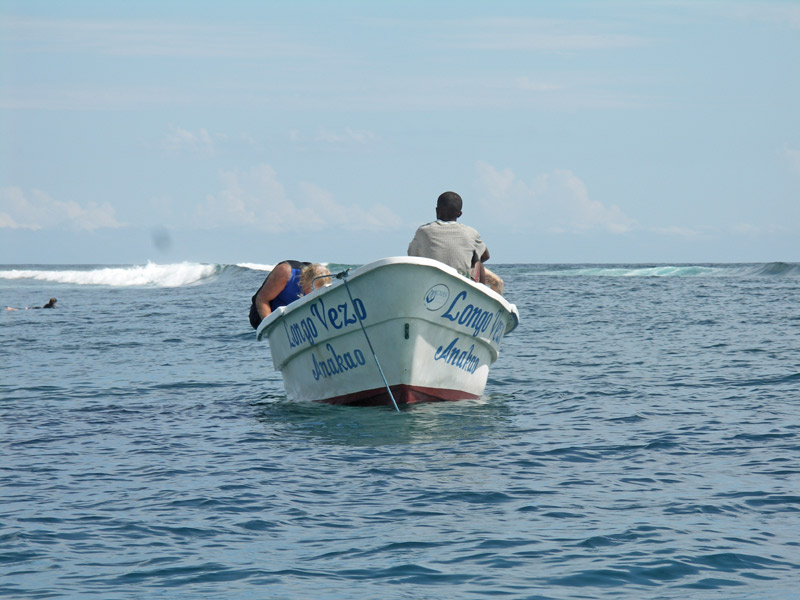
(272, 320)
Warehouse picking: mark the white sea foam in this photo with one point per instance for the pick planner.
(259, 267)
(151, 274)
(640, 271)
(255, 266)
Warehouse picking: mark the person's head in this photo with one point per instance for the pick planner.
(308, 274)
(51, 303)
(448, 206)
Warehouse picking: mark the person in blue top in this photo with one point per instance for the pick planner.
(287, 282)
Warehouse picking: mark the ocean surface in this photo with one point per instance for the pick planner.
(639, 437)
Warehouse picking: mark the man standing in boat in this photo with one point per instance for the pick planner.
(453, 243)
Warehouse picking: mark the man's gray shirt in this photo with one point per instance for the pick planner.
(450, 242)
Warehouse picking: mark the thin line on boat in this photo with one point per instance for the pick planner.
(343, 276)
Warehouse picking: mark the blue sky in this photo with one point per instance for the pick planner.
(619, 131)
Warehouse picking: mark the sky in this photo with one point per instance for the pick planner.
(575, 131)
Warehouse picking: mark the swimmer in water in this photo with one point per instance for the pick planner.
(50, 304)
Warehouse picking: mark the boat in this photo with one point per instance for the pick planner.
(399, 330)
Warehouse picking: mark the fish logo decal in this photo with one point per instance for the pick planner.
(436, 297)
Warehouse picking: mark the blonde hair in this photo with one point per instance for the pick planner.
(308, 274)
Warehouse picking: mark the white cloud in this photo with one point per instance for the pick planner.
(256, 198)
(755, 230)
(147, 38)
(684, 232)
(39, 211)
(557, 202)
(348, 136)
(351, 217)
(105, 96)
(177, 140)
(333, 138)
(775, 13)
(536, 35)
(7, 222)
(716, 231)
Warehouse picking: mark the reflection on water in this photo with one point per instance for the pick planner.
(383, 426)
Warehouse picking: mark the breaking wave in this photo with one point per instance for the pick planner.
(189, 273)
(151, 274)
(639, 271)
(255, 266)
(702, 270)
(779, 268)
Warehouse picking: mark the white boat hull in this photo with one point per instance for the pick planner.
(434, 334)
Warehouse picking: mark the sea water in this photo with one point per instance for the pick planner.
(639, 437)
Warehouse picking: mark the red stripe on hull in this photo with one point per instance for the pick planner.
(403, 394)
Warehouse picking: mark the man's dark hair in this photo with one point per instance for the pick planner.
(449, 205)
